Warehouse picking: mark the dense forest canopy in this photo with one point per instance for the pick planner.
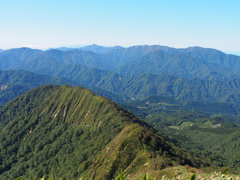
(187, 99)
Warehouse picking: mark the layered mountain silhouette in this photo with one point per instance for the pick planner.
(194, 62)
(69, 132)
(191, 74)
(14, 83)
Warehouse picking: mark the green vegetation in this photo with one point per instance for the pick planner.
(208, 135)
(19, 82)
(179, 173)
(159, 104)
(217, 80)
(70, 132)
(189, 63)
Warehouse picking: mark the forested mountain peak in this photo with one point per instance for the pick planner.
(71, 133)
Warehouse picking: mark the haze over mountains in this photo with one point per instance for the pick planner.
(14, 83)
(138, 71)
(192, 94)
(194, 62)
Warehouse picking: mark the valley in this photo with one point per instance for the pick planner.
(162, 108)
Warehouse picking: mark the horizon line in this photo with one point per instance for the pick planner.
(109, 46)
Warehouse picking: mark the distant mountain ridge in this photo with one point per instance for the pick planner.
(15, 83)
(191, 74)
(189, 63)
(100, 49)
(233, 53)
(19, 82)
(93, 48)
(143, 85)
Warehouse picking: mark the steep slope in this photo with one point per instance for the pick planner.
(136, 149)
(64, 132)
(23, 105)
(211, 132)
(116, 98)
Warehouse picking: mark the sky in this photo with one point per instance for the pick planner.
(44, 24)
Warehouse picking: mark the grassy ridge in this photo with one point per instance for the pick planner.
(63, 132)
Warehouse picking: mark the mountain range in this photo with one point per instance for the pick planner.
(194, 62)
(190, 98)
(14, 83)
(191, 74)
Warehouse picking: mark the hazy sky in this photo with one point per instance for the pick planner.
(175, 23)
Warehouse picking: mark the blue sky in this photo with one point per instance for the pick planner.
(175, 23)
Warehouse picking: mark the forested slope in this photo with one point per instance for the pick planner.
(71, 133)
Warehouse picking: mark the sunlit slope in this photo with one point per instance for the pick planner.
(64, 131)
